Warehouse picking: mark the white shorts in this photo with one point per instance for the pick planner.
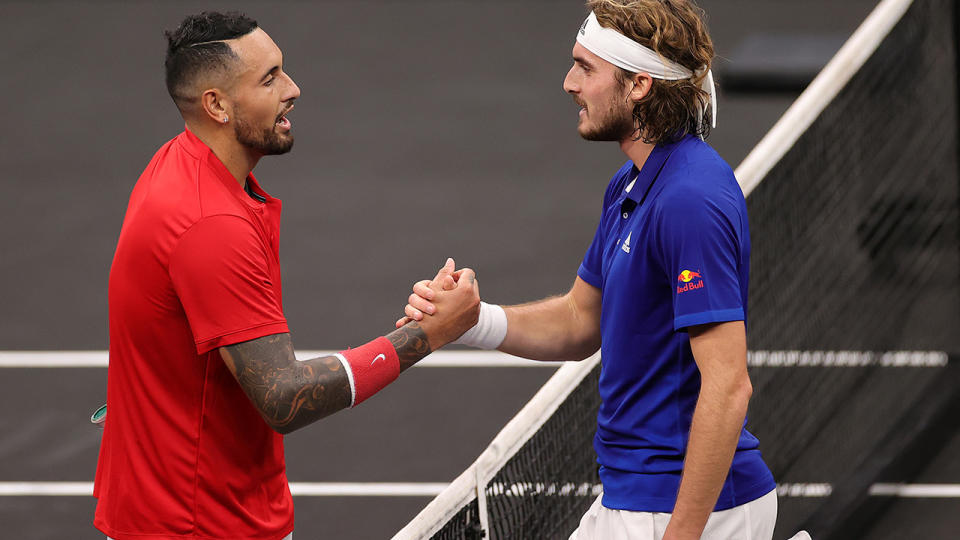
(751, 521)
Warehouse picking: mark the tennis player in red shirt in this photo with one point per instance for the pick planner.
(203, 380)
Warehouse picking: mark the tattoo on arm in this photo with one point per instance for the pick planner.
(291, 394)
(288, 393)
(410, 342)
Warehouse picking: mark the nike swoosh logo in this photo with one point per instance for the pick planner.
(380, 356)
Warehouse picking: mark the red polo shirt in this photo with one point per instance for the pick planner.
(184, 453)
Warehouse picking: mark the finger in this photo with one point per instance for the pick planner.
(447, 283)
(467, 278)
(447, 269)
(413, 313)
(402, 321)
(420, 304)
(423, 290)
(456, 275)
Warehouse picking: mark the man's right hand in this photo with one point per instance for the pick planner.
(420, 301)
(455, 302)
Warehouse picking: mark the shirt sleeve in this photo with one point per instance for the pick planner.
(221, 274)
(700, 243)
(591, 267)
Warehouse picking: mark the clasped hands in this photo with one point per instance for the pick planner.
(451, 301)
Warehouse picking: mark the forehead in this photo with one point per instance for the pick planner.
(257, 51)
(582, 54)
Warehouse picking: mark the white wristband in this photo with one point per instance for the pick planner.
(489, 331)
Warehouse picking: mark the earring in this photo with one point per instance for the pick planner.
(225, 118)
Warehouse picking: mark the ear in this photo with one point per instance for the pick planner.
(642, 83)
(216, 105)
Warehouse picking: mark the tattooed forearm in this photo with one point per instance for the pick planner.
(289, 394)
(411, 344)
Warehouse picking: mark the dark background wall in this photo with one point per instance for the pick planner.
(426, 129)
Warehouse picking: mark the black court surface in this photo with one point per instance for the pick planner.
(426, 129)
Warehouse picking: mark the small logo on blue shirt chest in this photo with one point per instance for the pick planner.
(626, 244)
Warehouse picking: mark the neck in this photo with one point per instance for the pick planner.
(237, 158)
(638, 151)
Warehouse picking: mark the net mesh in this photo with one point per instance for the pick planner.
(855, 247)
(550, 472)
(465, 524)
(854, 231)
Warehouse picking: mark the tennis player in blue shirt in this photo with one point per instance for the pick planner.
(662, 290)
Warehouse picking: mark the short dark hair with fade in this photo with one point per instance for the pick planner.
(197, 47)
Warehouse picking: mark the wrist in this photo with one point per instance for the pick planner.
(684, 524)
(490, 330)
(369, 368)
(678, 531)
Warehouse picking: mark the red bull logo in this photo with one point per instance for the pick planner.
(686, 277)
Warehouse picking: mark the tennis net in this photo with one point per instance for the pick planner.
(854, 201)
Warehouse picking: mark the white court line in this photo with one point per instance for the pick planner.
(916, 490)
(462, 359)
(933, 359)
(298, 489)
(46, 488)
(98, 359)
(366, 489)
(804, 490)
(42, 359)
(431, 489)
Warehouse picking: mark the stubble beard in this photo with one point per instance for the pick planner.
(615, 124)
(267, 142)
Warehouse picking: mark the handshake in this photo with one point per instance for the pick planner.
(449, 307)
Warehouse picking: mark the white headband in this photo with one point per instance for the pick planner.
(626, 53)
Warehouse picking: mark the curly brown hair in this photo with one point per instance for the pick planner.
(675, 29)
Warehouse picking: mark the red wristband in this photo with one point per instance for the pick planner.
(370, 367)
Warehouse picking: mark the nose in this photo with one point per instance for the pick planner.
(570, 86)
(293, 91)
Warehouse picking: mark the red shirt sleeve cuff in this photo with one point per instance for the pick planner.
(239, 336)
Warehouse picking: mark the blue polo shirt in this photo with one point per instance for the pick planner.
(672, 250)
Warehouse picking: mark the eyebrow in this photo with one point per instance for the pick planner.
(582, 60)
(273, 71)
